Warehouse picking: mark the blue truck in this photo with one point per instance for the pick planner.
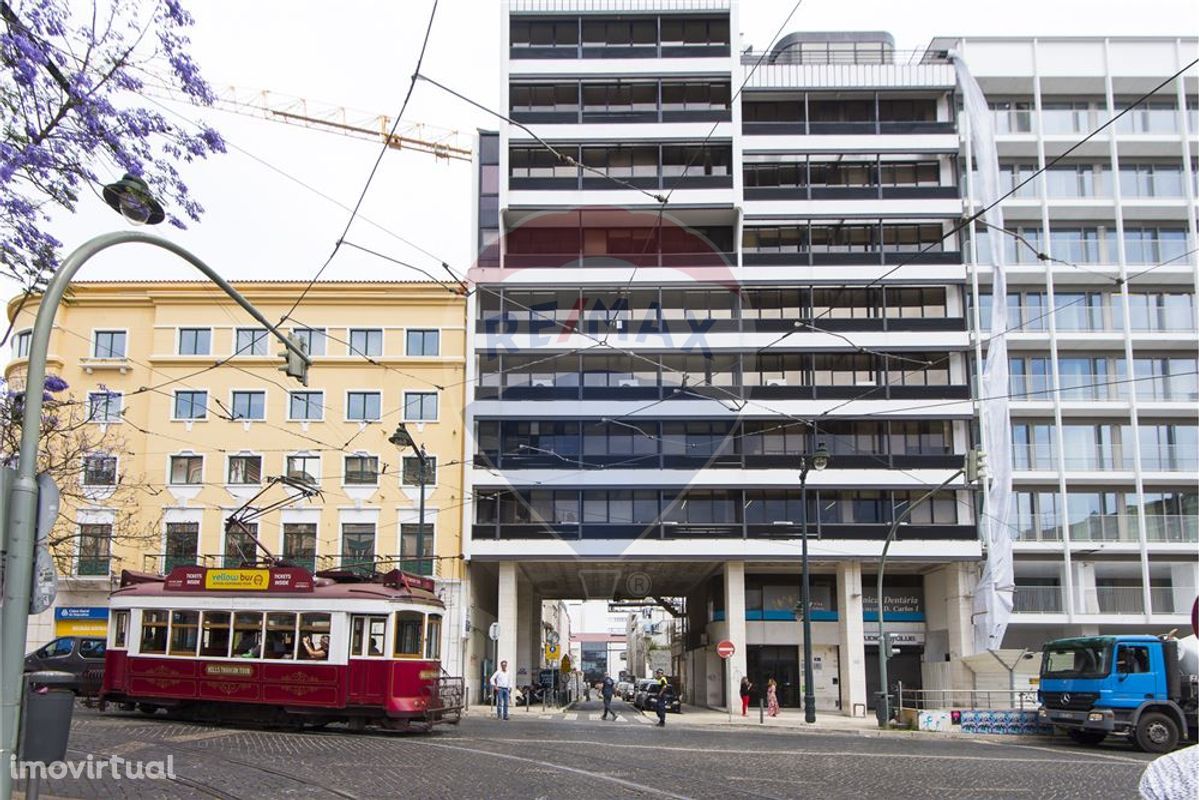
(1143, 688)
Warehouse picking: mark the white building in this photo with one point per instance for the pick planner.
(649, 375)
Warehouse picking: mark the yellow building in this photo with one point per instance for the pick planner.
(177, 415)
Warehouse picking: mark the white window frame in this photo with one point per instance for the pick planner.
(233, 412)
(345, 472)
(436, 467)
(320, 405)
(244, 454)
(350, 351)
(185, 454)
(175, 406)
(346, 411)
(324, 335)
(95, 349)
(436, 400)
(409, 354)
(23, 340)
(250, 353)
(120, 399)
(116, 470)
(308, 454)
(77, 555)
(179, 339)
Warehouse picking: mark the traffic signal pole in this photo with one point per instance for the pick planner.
(22, 513)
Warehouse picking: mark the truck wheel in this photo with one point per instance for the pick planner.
(1091, 738)
(1156, 733)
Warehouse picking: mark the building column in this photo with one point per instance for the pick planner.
(960, 583)
(525, 635)
(851, 629)
(507, 616)
(1086, 598)
(734, 611)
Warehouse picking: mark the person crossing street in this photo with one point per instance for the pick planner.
(607, 690)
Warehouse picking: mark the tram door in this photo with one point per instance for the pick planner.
(368, 664)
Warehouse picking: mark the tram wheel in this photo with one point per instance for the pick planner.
(147, 709)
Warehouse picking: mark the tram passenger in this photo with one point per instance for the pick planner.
(316, 651)
(250, 646)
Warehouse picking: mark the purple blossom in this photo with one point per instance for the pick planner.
(63, 146)
(53, 383)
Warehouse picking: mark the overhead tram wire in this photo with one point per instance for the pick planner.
(374, 169)
(1017, 187)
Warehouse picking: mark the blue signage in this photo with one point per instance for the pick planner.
(81, 612)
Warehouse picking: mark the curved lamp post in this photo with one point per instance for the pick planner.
(817, 461)
(403, 440)
(136, 203)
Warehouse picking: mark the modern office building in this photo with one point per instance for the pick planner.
(172, 444)
(649, 376)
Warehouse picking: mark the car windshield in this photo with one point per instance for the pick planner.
(1077, 661)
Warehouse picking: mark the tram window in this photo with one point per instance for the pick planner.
(214, 634)
(120, 628)
(314, 637)
(154, 631)
(280, 636)
(408, 630)
(247, 634)
(185, 629)
(433, 637)
(367, 636)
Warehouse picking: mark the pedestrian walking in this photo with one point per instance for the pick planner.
(501, 684)
(772, 698)
(746, 689)
(607, 690)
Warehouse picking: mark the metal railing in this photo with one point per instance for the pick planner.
(1163, 458)
(863, 53)
(379, 564)
(1172, 528)
(1025, 700)
(1116, 600)
(1038, 600)
(1171, 599)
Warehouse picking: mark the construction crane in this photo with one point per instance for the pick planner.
(291, 110)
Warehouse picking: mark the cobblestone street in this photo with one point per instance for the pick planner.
(564, 757)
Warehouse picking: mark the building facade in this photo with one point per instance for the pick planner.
(1101, 302)
(649, 375)
(183, 417)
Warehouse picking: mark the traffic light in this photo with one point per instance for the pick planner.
(295, 359)
(976, 464)
(889, 646)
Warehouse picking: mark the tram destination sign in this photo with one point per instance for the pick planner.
(211, 579)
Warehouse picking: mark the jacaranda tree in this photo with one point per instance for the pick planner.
(72, 116)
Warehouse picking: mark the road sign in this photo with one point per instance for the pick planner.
(494, 632)
(725, 649)
(552, 653)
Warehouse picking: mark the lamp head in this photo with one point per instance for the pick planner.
(401, 438)
(820, 457)
(131, 197)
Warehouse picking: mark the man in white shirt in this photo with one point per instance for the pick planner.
(501, 684)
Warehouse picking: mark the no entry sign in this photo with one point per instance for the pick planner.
(725, 649)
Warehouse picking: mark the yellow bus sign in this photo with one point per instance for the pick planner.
(552, 652)
(252, 580)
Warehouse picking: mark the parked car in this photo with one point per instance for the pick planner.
(624, 690)
(82, 656)
(630, 691)
(646, 698)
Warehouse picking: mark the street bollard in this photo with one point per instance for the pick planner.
(761, 710)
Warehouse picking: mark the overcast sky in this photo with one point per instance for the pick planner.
(359, 54)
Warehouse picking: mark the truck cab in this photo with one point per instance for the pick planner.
(1130, 686)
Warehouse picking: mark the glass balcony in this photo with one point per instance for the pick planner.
(1117, 600)
(1172, 528)
(1038, 600)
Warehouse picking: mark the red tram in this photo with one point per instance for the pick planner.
(280, 645)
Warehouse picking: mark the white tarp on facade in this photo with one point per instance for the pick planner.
(993, 597)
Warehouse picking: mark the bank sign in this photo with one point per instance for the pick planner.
(80, 621)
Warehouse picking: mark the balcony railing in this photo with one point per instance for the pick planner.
(92, 566)
(1171, 599)
(1117, 600)
(1038, 600)
(162, 563)
(367, 564)
(1159, 528)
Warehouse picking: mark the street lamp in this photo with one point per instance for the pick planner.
(131, 198)
(23, 501)
(817, 461)
(402, 439)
